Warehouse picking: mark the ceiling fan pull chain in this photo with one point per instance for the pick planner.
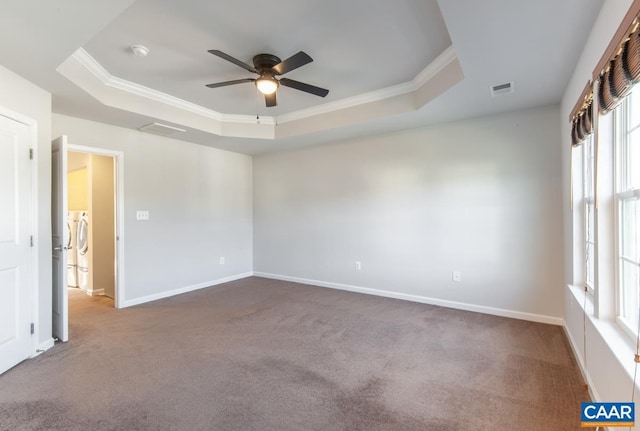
(257, 106)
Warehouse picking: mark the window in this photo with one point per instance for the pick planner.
(589, 212)
(627, 197)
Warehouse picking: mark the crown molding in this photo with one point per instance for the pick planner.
(422, 78)
(436, 66)
(97, 70)
(85, 71)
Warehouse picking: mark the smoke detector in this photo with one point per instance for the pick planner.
(501, 89)
(139, 50)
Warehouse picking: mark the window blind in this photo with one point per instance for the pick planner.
(582, 117)
(621, 64)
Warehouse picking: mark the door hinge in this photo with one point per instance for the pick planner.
(33, 328)
(30, 153)
(31, 240)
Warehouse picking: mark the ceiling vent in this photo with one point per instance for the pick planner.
(500, 89)
(160, 129)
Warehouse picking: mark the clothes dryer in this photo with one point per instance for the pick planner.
(72, 266)
(83, 252)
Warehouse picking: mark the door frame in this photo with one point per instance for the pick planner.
(118, 158)
(34, 270)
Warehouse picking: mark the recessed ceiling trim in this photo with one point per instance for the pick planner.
(436, 66)
(428, 73)
(83, 70)
(92, 65)
(94, 85)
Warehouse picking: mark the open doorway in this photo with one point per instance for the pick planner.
(63, 245)
(91, 223)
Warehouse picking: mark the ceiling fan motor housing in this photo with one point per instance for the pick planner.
(265, 62)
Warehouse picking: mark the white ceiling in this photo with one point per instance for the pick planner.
(358, 46)
(388, 65)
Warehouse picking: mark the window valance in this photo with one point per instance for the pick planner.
(619, 69)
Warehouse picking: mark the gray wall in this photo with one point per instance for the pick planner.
(200, 206)
(480, 196)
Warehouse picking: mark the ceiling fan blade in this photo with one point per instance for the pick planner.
(291, 63)
(270, 100)
(233, 60)
(307, 88)
(225, 83)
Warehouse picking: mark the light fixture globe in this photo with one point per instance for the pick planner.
(267, 84)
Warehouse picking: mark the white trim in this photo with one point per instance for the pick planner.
(422, 78)
(612, 335)
(430, 72)
(91, 65)
(34, 270)
(97, 70)
(185, 289)
(35, 250)
(580, 360)
(349, 102)
(118, 157)
(421, 299)
(629, 194)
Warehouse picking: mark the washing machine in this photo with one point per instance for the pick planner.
(72, 261)
(83, 253)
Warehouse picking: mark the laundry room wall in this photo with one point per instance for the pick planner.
(78, 190)
(101, 228)
(77, 181)
(199, 201)
(76, 161)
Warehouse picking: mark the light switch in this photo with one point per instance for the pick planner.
(142, 215)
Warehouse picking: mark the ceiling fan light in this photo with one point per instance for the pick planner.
(267, 85)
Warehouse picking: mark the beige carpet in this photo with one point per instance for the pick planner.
(258, 354)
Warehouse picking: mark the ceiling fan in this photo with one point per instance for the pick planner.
(268, 66)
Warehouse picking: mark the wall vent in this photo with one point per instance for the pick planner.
(500, 89)
(160, 129)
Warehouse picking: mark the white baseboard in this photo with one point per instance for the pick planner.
(422, 299)
(98, 292)
(161, 295)
(587, 377)
(43, 347)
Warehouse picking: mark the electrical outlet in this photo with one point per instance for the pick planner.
(142, 215)
(358, 265)
(222, 260)
(456, 276)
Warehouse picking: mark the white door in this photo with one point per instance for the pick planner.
(15, 243)
(58, 240)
